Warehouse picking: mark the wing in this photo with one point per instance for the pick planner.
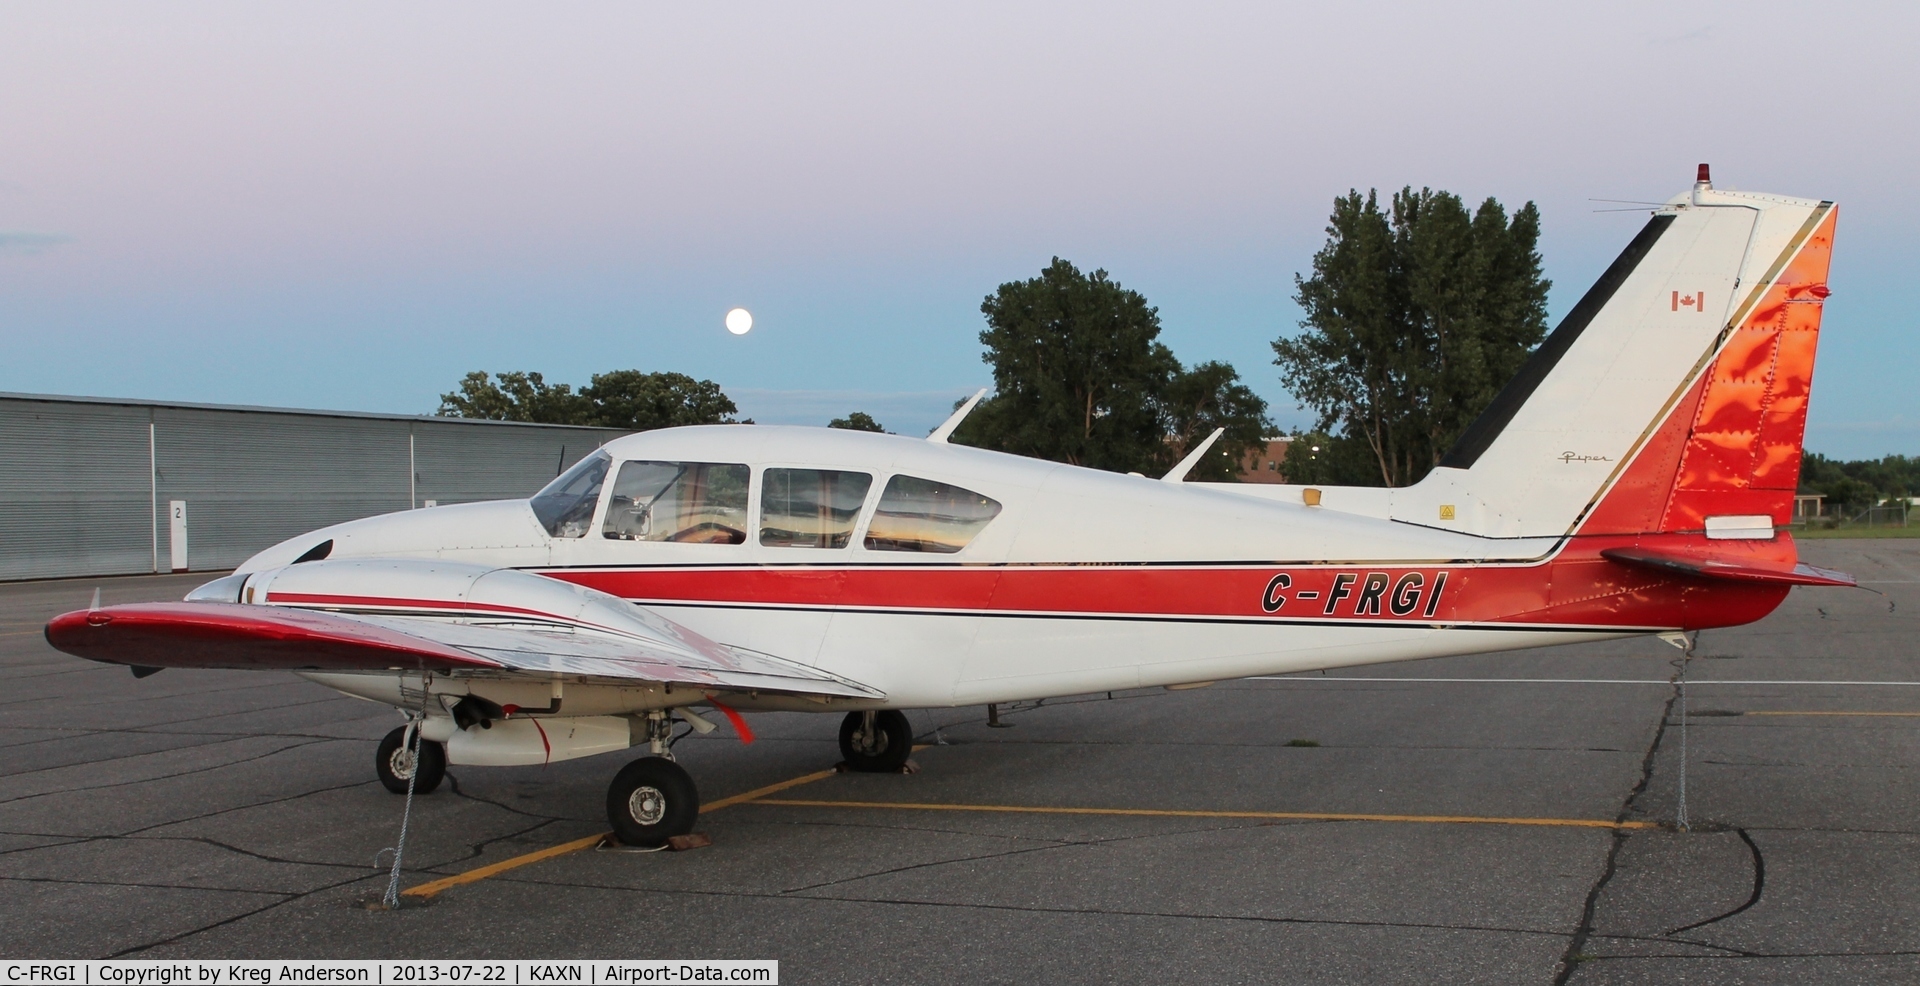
(233, 635)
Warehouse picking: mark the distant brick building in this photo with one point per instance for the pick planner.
(1263, 462)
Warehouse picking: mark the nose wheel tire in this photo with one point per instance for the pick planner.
(395, 765)
(876, 742)
(650, 801)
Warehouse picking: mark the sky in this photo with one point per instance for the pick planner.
(352, 205)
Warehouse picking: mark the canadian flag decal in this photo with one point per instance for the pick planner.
(1696, 301)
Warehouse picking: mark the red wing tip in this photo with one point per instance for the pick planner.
(231, 635)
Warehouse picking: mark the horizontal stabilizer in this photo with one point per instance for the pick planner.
(1729, 569)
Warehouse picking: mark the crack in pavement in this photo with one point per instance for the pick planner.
(1570, 959)
(1893, 953)
(1759, 886)
(454, 783)
(184, 935)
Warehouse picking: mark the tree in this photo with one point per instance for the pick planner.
(627, 399)
(640, 401)
(856, 421)
(1081, 377)
(519, 396)
(1861, 483)
(1415, 319)
(1198, 400)
(1076, 370)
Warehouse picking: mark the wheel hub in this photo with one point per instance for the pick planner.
(400, 762)
(647, 805)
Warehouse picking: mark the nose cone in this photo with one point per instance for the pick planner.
(495, 532)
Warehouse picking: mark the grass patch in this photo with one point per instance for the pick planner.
(1818, 533)
(1303, 742)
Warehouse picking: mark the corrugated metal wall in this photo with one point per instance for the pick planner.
(78, 489)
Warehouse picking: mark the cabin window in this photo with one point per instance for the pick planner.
(923, 515)
(565, 506)
(686, 502)
(810, 508)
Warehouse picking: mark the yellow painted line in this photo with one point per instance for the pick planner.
(1310, 816)
(433, 887)
(1770, 712)
(426, 890)
(761, 792)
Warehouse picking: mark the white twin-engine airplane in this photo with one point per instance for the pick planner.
(1630, 480)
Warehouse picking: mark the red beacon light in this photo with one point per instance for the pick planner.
(1705, 177)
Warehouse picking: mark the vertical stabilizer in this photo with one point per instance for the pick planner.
(1674, 392)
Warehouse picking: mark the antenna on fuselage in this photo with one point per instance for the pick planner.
(945, 431)
(1178, 474)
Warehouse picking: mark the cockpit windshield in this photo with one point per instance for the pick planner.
(565, 506)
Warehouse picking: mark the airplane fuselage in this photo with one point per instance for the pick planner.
(1083, 581)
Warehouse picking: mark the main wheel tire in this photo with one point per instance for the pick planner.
(650, 801)
(884, 749)
(395, 765)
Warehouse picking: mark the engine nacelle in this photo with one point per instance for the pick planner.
(524, 741)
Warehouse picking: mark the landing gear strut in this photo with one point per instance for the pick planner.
(395, 765)
(653, 799)
(876, 742)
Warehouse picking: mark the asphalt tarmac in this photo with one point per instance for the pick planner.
(1193, 836)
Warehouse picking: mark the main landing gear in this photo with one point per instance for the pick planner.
(396, 766)
(653, 799)
(876, 742)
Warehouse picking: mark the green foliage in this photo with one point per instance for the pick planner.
(1080, 377)
(1320, 459)
(1415, 319)
(642, 401)
(1860, 483)
(1195, 402)
(518, 396)
(856, 421)
(626, 399)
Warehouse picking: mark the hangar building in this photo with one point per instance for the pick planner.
(98, 486)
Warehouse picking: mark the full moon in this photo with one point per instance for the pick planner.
(739, 321)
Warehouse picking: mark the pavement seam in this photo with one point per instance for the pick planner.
(164, 777)
(1099, 911)
(1096, 842)
(251, 804)
(215, 741)
(142, 886)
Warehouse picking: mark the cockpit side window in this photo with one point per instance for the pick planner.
(810, 508)
(923, 515)
(687, 502)
(565, 506)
